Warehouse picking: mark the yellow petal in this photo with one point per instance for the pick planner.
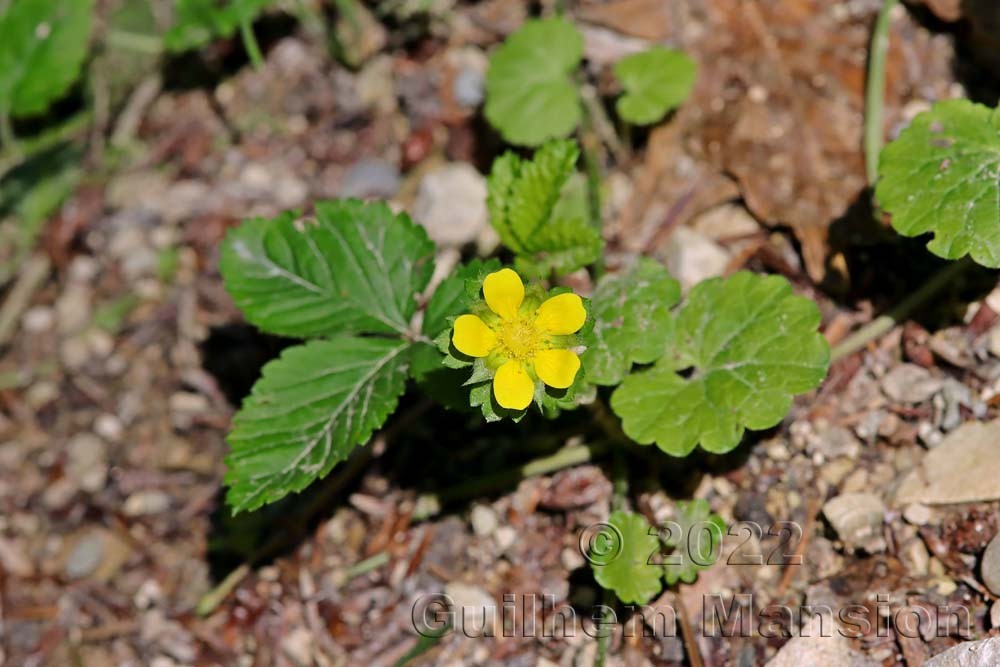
(512, 386)
(504, 293)
(557, 368)
(561, 315)
(473, 337)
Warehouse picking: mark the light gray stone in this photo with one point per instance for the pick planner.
(984, 653)
(963, 468)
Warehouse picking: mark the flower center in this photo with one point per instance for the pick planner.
(519, 339)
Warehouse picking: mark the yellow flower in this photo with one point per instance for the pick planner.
(522, 341)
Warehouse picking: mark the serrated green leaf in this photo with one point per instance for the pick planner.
(942, 175)
(357, 268)
(696, 545)
(620, 557)
(43, 43)
(198, 22)
(453, 297)
(655, 81)
(632, 321)
(524, 198)
(750, 345)
(309, 409)
(530, 94)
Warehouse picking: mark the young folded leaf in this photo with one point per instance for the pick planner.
(526, 206)
(749, 345)
(942, 175)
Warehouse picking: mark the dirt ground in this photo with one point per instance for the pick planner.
(127, 360)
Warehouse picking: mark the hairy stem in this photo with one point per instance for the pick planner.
(875, 90)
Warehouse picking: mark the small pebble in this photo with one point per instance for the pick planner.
(145, 503)
(990, 566)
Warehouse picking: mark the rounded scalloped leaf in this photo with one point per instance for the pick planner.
(620, 555)
(942, 176)
(530, 94)
(750, 345)
(632, 321)
(655, 81)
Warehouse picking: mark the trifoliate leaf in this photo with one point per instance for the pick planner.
(942, 175)
(655, 81)
(357, 268)
(632, 321)
(696, 537)
(524, 198)
(530, 94)
(621, 554)
(309, 409)
(198, 22)
(745, 345)
(43, 43)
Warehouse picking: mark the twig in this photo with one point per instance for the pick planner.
(598, 121)
(131, 116)
(812, 510)
(33, 274)
(901, 312)
(875, 90)
(687, 631)
(212, 599)
(429, 504)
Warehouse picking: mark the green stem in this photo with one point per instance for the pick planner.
(884, 323)
(134, 41)
(875, 90)
(250, 43)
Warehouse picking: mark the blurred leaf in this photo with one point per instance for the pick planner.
(530, 93)
(198, 22)
(43, 43)
(942, 175)
(29, 195)
(698, 543)
(655, 81)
